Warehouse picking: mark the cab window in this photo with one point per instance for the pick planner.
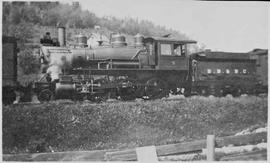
(166, 49)
(150, 48)
(179, 50)
(183, 49)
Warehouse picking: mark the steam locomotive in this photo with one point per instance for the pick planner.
(150, 68)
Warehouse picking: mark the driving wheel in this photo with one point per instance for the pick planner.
(156, 88)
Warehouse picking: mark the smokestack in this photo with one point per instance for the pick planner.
(62, 36)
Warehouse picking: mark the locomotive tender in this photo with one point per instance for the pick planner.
(151, 68)
(221, 73)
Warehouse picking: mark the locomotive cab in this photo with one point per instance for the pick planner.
(167, 53)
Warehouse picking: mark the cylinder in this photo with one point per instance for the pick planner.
(64, 90)
(62, 36)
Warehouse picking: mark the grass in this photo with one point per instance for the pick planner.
(66, 126)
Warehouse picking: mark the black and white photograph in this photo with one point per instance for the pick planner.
(134, 80)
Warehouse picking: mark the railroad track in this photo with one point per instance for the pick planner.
(116, 101)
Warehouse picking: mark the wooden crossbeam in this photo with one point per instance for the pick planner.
(130, 154)
(193, 146)
(247, 156)
(98, 155)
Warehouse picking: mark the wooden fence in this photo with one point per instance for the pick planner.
(153, 152)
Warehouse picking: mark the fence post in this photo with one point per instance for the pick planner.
(147, 154)
(210, 147)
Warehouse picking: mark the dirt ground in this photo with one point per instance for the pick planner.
(71, 126)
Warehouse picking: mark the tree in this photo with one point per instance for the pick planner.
(28, 63)
(23, 32)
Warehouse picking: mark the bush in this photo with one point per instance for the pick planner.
(85, 126)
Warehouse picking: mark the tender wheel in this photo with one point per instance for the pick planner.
(186, 91)
(204, 92)
(129, 89)
(237, 92)
(156, 88)
(45, 95)
(221, 92)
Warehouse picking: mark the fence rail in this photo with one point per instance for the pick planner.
(131, 154)
(247, 156)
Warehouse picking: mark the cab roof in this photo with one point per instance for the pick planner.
(259, 52)
(168, 40)
(221, 55)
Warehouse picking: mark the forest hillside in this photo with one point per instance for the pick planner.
(25, 19)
